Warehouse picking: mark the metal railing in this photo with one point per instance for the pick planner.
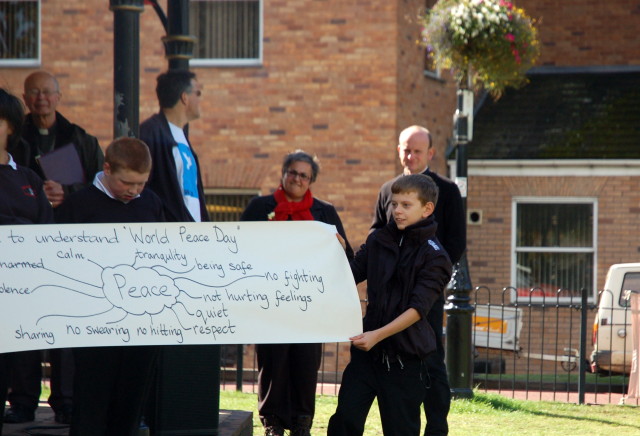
(530, 348)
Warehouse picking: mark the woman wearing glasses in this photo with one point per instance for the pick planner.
(288, 372)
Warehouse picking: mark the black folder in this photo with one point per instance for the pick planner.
(62, 165)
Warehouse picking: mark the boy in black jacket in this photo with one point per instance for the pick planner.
(110, 383)
(406, 270)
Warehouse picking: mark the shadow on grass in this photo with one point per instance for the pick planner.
(499, 403)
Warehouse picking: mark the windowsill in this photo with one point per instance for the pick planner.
(225, 63)
(435, 75)
(20, 63)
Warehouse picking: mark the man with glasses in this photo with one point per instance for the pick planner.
(176, 178)
(44, 131)
(175, 175)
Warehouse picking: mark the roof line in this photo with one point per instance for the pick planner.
(587, 69)
(550, 167)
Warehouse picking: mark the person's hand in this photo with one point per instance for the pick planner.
(54, 192)
(365, 341)
(342, 241)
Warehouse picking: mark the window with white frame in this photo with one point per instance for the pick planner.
(19, 32)
(229, 32)
(554, 248)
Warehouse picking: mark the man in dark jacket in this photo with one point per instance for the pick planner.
(177, 180)
(44, 131)
(415, 150)
(175, 175)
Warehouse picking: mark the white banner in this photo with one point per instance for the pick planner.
(78, 285)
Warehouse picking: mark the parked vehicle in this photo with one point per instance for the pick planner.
(612, 338)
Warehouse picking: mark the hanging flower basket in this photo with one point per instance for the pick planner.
(491, 41)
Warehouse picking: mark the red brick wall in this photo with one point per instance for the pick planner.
(341, 79)
(586, 32)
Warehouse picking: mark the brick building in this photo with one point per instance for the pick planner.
(341, 79)
(338, 79)
(554, 170)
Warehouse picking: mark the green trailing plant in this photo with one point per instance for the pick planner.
(492, 42)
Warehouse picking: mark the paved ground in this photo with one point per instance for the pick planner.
(564, 397)
(232, 423)
(44, 424)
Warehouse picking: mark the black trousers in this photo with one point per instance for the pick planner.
(399, 388)
(287, 378)
(110, 387)
(437, 399)
(4, 384)
(26, 378)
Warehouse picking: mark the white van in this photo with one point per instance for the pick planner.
(612, 339)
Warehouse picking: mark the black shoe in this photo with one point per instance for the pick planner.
(63, 416)
(273, 430)
(272, 426)
(18, 414)
(301, 426)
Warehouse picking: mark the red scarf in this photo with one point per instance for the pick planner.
(292, 210)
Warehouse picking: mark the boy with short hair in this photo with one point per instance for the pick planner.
(110, 383)
(406, 269)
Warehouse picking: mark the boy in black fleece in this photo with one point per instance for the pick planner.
(406, 269)
(110, 383)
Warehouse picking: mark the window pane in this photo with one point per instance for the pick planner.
(226, 206)
(19, 29)
(555, 225)
(226, 29)
(631, 283)
(552, 271)
(429, 62)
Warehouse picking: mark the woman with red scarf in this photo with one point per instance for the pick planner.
(287, 373)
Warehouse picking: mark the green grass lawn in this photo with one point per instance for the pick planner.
(486, 414)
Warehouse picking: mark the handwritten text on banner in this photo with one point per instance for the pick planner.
(174, 283)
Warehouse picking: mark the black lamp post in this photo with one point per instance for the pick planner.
(459, 351)
(126, 66)
(187, 389)
(187, 400)
(178, 44)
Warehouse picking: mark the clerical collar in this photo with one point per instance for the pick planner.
(43, 132)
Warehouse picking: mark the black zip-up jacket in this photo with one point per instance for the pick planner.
(404, 269)
(449, 214)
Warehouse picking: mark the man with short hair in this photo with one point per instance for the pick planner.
(44, 131)
(415, 150)
(176, 179)
(175, 175)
